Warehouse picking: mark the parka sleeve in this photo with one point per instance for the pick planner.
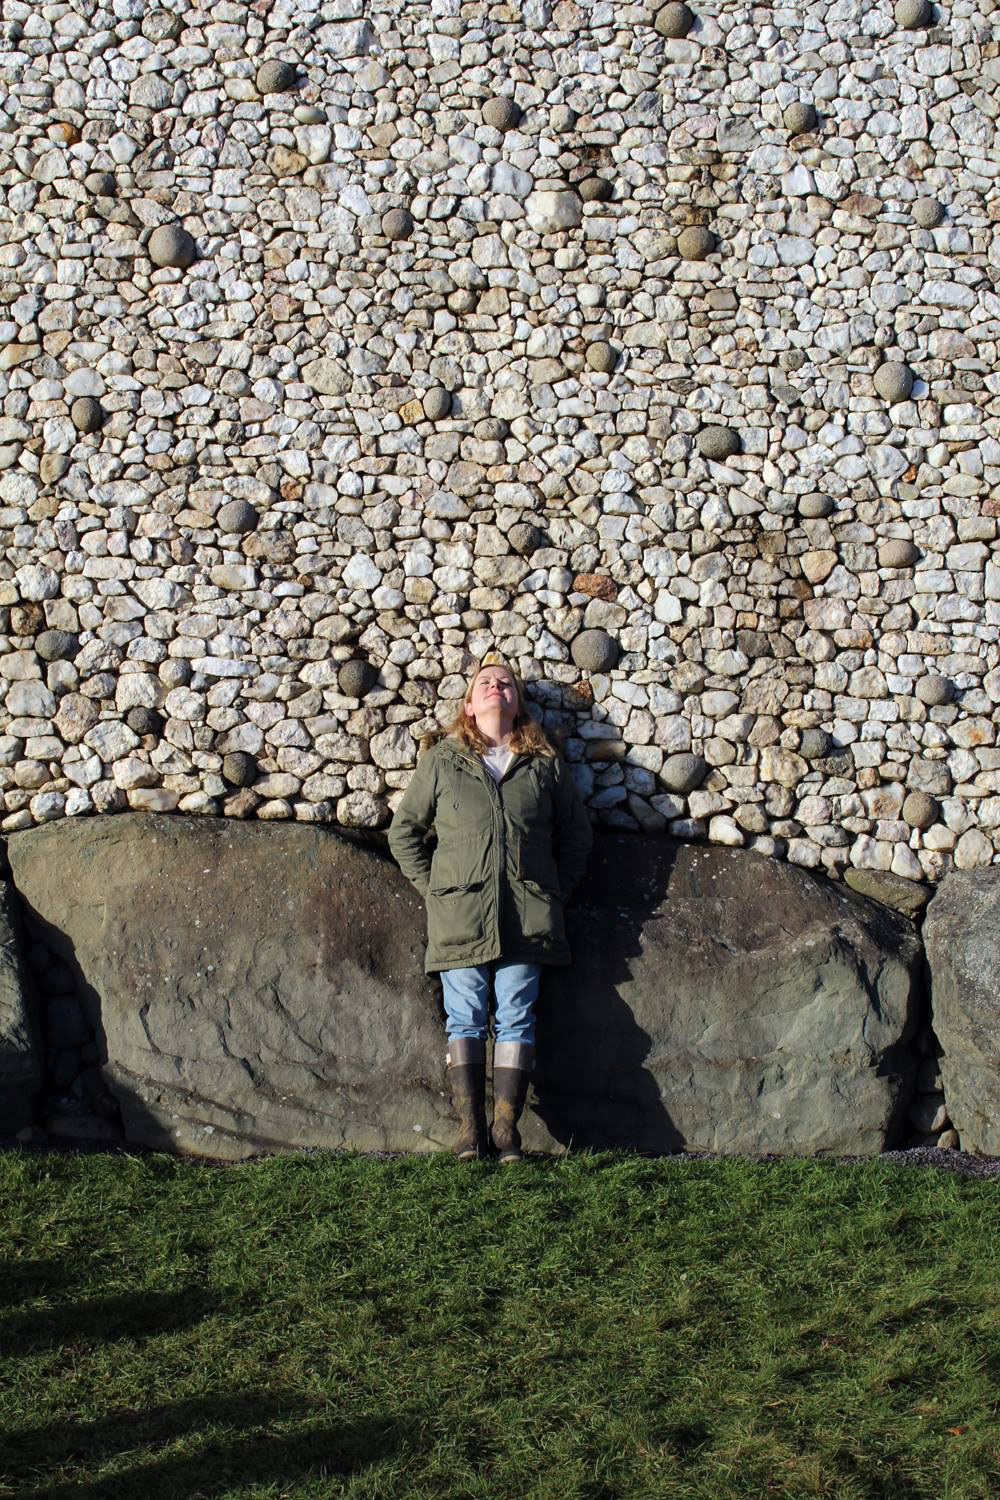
(413, 817)
(574, 836)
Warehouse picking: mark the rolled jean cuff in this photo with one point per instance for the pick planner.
(520, 1055)
(465, 1049)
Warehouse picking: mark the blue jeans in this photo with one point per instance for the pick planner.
(467, 999)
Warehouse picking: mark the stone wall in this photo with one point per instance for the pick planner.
(341, 344)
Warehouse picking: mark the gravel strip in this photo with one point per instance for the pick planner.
(918, 1156)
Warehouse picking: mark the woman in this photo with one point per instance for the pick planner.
(512, 841)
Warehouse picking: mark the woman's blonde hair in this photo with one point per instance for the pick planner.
(526, 735)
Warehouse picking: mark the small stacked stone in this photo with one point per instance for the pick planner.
(928, 1114)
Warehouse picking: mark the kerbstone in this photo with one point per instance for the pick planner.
(21, 1062)
(65, 1023)
(719, 1001)
(908, 897)
(705, 943)
(962, 940)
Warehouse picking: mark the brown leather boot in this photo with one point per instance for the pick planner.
(512, 1065)
(466, 1057)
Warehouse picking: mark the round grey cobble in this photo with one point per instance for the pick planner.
(674, 20)
(172, 245)
(595, 651)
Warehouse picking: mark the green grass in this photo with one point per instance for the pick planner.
(590, 1327)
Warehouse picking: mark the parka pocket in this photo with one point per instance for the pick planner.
(455, 915)
(541, 912)
(537, 893)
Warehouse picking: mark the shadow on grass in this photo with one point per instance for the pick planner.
(222, 1462)
(21, 1279)
(885, 1479)
(100, 1320)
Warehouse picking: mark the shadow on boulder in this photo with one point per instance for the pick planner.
(721, 1001)
(594, 1087)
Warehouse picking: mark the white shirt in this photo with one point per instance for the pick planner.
(497, 759)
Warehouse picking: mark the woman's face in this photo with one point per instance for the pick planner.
(492, 690)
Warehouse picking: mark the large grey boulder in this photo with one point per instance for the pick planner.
(725, 1002)
(252, 987)
(20, 1054)
(259, 986)
(961, 935)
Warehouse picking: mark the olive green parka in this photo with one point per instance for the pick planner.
(508, 854)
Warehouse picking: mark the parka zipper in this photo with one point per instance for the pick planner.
(500, 843)
(500, 851)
